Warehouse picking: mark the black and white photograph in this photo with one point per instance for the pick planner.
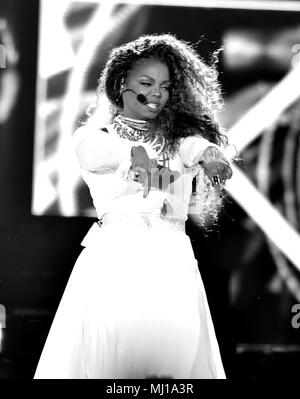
(150, 200)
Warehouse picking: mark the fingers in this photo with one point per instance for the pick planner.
(216, 180)
(142, 176)
(141, 165)
(217, 184)
(218, 172)
(147, 184)
(225, 173)
(228, 172)
(156, 177)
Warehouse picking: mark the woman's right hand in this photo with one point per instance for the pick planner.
(146, 171)
(140, 169)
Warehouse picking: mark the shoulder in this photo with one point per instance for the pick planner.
(196, 139)
(88, 130)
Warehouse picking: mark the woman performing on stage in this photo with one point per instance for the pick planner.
(135, 305)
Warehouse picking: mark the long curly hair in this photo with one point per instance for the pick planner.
(195, 94)
(194, 100)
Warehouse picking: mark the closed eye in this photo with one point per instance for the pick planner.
(167, 88)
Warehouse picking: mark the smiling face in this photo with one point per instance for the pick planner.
(152, 79)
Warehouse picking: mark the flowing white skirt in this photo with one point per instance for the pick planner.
(134, 307)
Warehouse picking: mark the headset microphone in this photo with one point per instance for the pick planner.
(140, 97)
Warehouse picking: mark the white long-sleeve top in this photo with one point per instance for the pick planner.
(105, 159)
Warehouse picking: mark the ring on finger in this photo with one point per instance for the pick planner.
(216, 180)
(136, 176)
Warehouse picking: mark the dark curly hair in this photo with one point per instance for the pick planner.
(195, 94)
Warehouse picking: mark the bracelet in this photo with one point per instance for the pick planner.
(211, 153)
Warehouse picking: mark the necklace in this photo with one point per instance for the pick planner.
(138, 130)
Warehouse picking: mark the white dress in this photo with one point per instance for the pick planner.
(134, 305)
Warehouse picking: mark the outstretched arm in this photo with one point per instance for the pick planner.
(197, 150)
(98, 150)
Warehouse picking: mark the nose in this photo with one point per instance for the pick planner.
(157, 92)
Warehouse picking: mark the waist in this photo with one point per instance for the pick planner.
(142, 220)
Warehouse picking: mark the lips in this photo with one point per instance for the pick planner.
(153, 106)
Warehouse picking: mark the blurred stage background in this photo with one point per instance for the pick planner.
(51, 56)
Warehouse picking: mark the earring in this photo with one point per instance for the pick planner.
(122, 83)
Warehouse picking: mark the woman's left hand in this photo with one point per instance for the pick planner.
(216, 166)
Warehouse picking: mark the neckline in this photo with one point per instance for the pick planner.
(132, 124)
(138, 130)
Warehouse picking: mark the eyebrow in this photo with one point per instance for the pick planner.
(149, 77)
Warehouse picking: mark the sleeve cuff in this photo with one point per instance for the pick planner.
(191, 149)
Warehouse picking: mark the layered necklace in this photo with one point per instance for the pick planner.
(139, 130)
